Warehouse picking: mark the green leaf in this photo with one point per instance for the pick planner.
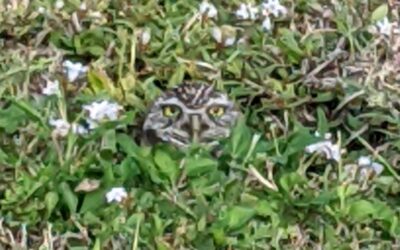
(298, 141)
(93, 200)
(359, 210)
(240, 140)
(266, 208)
(95, 50)
(108, 142)
(178, 76)
(11, 118)
(289, 180)
(166, 165)
(379, 13)
(51, 199)
(288, 43)
(29, 111)
(199, 166)
(98, 81)
(127, 144)
(69, 197)
(323, 125)
(3, 156)
(237, 217)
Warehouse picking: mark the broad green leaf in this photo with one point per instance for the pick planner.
(323, 125)
(93, 200)
(178, 76)
(289, 180)
(127, 144)
(3, 156)
(95, 50)
(30, 111)
(127, 169)
(361, 209)
(199, 166)
(298, 141)
(69, 197)
(51, 199)
(166, 165)
(266, 208)
(11, 118)
(288, 43)
(380, 12)
(237, 217)
(240, 139)
(383, 211)
(108, 142)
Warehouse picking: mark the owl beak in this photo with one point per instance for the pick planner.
(195, 122)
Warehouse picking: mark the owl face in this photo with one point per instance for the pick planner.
(190, 113)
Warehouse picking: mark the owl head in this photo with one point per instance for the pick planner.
(190, 113)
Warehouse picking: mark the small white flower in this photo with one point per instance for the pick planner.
(327, 136)
(242, 40)
(208, 9)
(78, 129)
(330, 150)
(384, 27)
(217, 34)
(95, 14)
(41, 10)
(61, 127)
(274, 7)
(17, 140)
(266, 24)
(116, 194)
(92, 124)
(74, 70)
(246, 11)
(377, 167)
(350, 169)
(52, 88)
(83, 6)
(59, 4)
(366, 163)
(104, 110)
(229, 41)
(145, 37)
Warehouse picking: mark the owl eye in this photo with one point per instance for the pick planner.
(170, 111)
(216, 111)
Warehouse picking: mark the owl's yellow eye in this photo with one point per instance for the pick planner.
(216, 111)
(170, 111)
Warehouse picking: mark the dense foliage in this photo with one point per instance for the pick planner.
(314, 163)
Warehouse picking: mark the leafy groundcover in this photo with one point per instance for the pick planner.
(314, 164)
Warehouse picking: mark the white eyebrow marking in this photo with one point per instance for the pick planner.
(198, 94)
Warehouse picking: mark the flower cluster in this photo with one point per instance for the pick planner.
(326, 147)
(98, 112)
(63, 127)
(263, 12)
(102, 111)
(52, 88)
(116, 194)
(386, 28)
(366, 164)
(208, 10)
(362, 171)
(74, 70)
(246, 11)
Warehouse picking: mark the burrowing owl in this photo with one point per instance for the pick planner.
(190, 113)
